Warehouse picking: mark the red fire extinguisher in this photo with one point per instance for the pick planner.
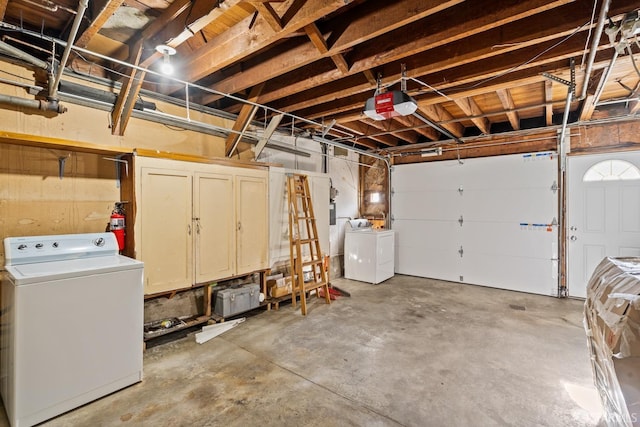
(116, 224)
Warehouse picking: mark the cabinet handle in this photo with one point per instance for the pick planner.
(198, 225)
(239, 226)
(189, 229)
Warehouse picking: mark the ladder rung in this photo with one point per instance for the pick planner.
(307, 240)
(312, 262)
(309, 286)
(300, 218)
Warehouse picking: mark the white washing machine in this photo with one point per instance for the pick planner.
(72, 323)
(368, 253)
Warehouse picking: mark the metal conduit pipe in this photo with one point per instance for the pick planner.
(82, 7)
(604, 10)
(34, 104)
(17, 53)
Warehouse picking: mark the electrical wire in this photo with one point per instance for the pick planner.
(586, 44)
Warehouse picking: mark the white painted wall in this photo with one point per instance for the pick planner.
(344, 177)
(342, 173)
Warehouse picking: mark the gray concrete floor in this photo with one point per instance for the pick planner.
(408, 352)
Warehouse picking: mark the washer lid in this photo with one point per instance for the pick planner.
(24, 274)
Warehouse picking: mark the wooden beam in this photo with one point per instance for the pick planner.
(126, 98)
(269, 14)
(471, 108)
(589, 102)
(507, 103)
(241, 40)
(512, 37)
(419, 127)
(548, 99)
(243, 120)
(436, 113)
(16, 138)
(373, 81)
(363, 130)
(318, 40)
(98, 22)
(3, 8)
(455, 81)
(393, 128)
(382, 16)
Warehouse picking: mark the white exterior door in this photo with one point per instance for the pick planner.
(603, 213)
(488, 221)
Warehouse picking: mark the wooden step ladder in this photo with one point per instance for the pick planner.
(304, 245)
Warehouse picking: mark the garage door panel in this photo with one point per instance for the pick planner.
(510, 239)
(427, 205)
(415, 263)
(439, 176)
(515, 172)
(507, 204)
(440, 235)
(436, 256)
(535, 276)
(534, 205)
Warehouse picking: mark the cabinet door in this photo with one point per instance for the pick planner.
(165, 240)
(215, 227)
(252, 217)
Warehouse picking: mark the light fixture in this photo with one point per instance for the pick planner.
(431, 152)
(166, 52)
(387, 104)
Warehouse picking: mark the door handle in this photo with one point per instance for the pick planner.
(573, 238)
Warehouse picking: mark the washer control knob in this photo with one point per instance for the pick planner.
(55, 244)
(99, 242)
(39, 245)
(22, 247)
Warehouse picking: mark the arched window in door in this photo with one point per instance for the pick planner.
(611, 170)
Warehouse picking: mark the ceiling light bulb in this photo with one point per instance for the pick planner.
(166, 51)
(166, 66)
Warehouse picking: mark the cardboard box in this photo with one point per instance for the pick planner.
(612, 324)
(279, 287)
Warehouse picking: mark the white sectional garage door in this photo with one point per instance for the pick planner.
(488, 221)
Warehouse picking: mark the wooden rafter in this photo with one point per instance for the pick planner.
(3, 8)
(437, 113)
(240, 42)
(98, 22)
(318, 40)
(507, 103)
(471, 108)
(419, 127)
(548, 99)
(364, 130)
(127, 97)
(269, 14)
(515, 38)
(588, 103)
(393, 128)
(247, 113)
(365, 28)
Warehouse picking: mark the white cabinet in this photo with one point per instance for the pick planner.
(197, 222)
